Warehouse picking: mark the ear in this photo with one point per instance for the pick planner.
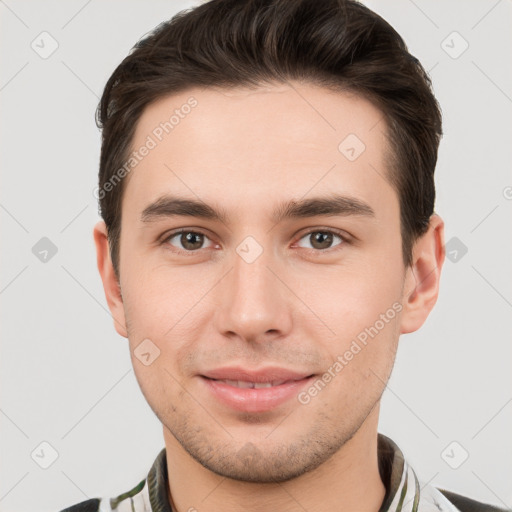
(110, 283)
(421, 285)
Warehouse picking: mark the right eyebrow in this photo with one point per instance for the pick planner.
(171, 206)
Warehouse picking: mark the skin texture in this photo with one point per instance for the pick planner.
(296, 306)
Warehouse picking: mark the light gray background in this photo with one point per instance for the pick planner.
(66, 375)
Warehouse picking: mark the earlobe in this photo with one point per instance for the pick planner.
(110, 283)
(421, 287)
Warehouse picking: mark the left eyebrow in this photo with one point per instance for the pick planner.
(332, 205)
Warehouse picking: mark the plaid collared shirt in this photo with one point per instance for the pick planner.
(404, 492)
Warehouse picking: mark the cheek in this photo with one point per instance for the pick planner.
(362, 307)
(360, 362)
(167, 307)
(350, 299)
(157, 296)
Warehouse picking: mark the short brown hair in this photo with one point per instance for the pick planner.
(338, 44)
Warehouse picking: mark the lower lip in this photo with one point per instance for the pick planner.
(255, 400)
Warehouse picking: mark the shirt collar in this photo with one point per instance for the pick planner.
(158, 484)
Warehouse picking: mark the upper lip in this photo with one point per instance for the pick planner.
(268, 374)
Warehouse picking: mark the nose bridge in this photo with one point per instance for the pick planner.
(252, 301)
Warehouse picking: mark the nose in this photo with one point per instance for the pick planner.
(254, 303)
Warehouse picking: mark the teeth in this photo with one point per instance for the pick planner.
(252, 385)
(260, 385)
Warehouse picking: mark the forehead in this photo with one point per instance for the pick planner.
(243, 146)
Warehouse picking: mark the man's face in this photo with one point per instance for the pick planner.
(254, 297)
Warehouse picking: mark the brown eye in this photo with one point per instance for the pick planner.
(321, 240)
(188, 241)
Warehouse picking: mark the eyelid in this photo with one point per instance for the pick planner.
(164, 239)
(345, 237)
(324, 229)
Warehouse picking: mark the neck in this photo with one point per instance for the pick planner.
(349, 480)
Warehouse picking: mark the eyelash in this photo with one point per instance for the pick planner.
(344, 240)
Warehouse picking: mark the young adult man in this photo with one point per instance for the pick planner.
(267, 193)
